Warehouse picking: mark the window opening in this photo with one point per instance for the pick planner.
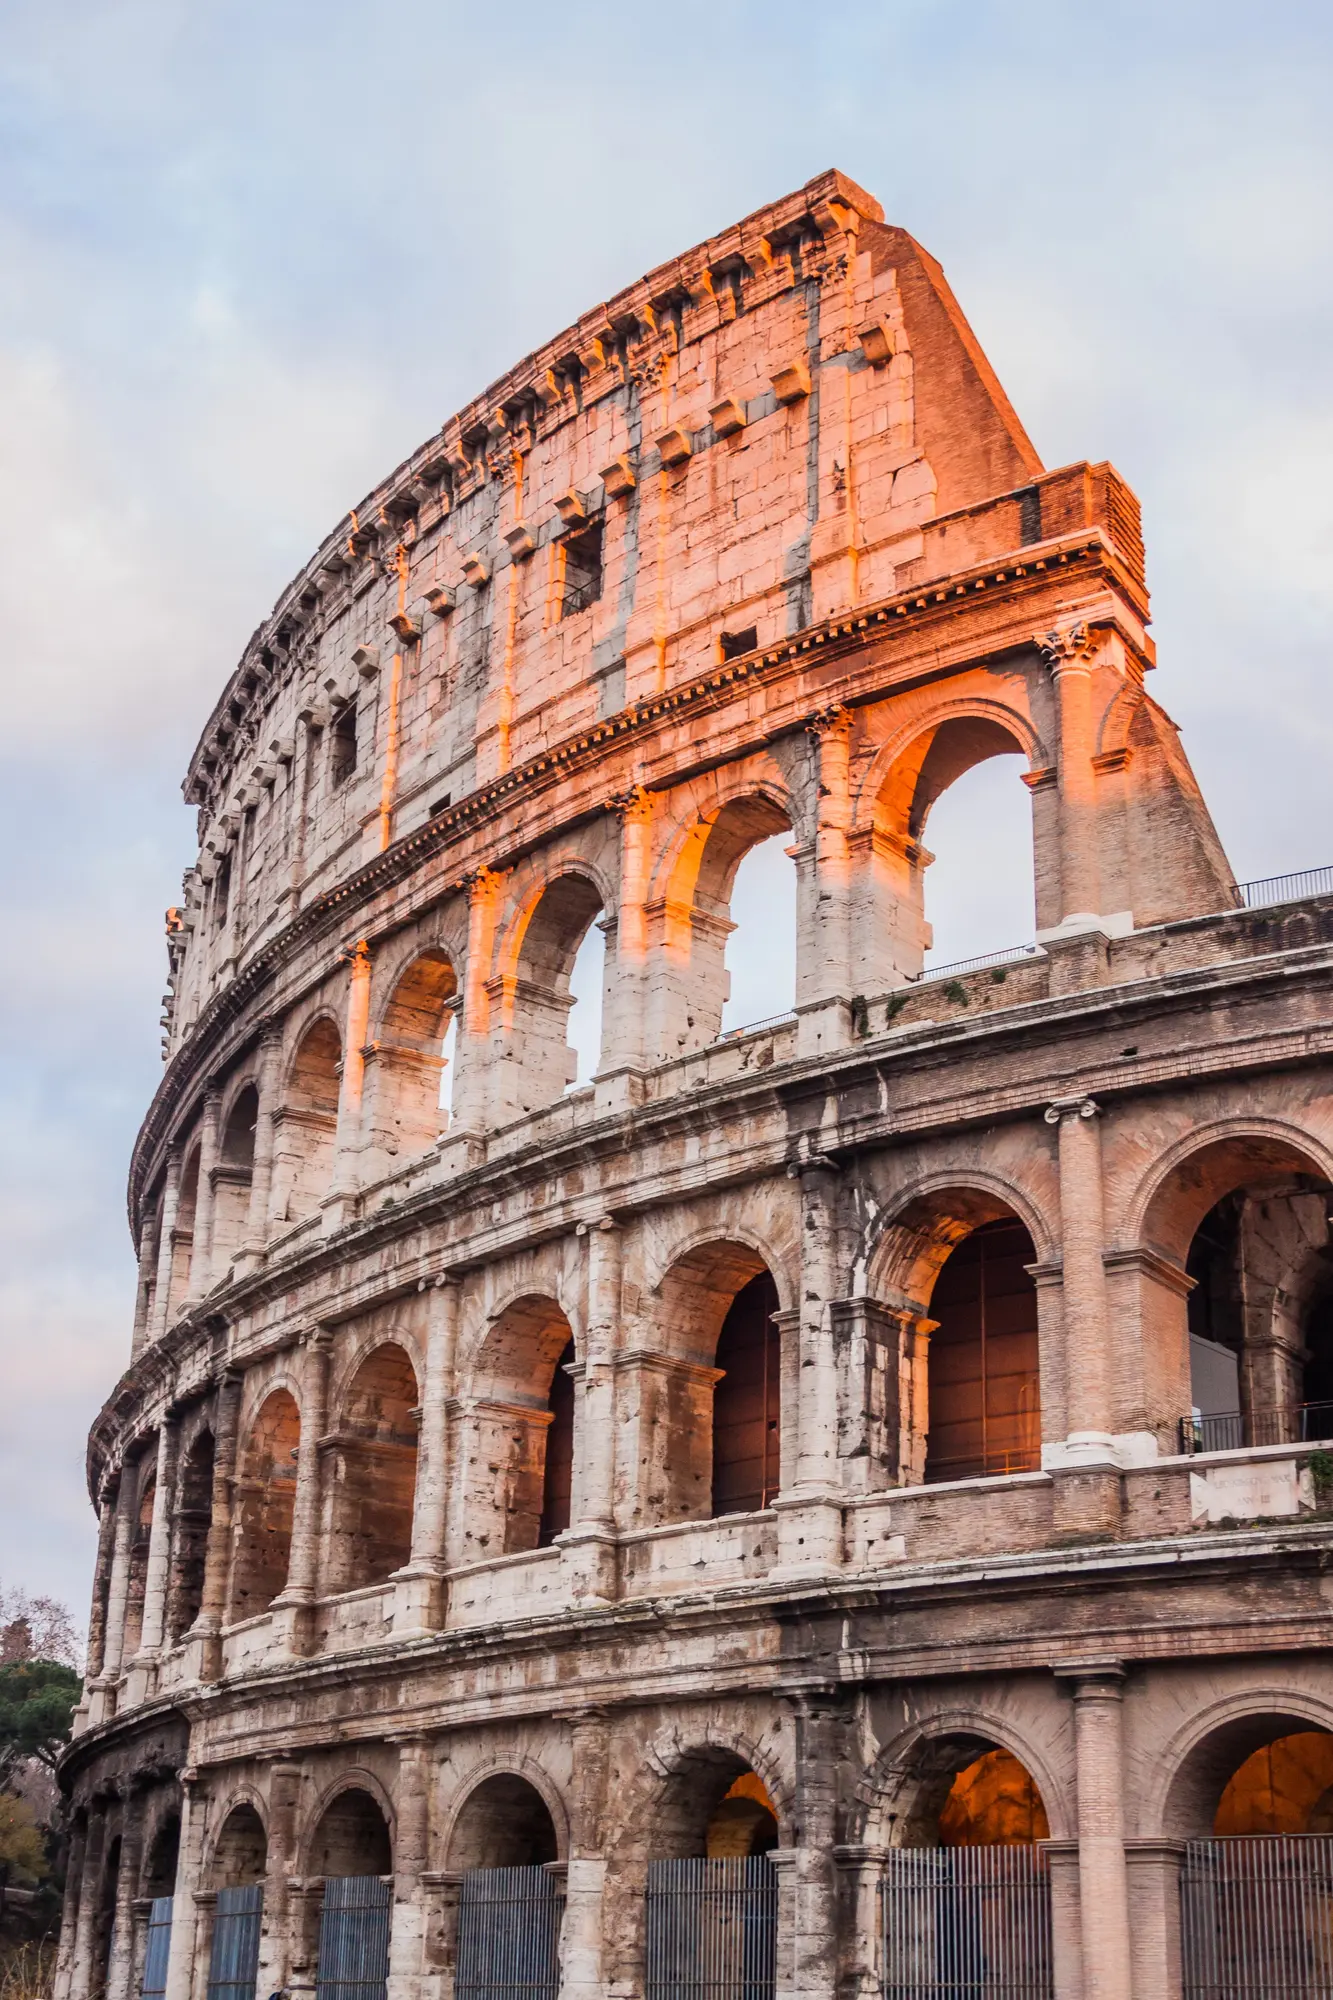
(761, 951)
(984, 1394)
(342, 744)
(746, 1407)
(448, 1067)
(585, 1016)
(222, 891)
(978, 887)
(558, 1475)
(583, 569)
(736, 643)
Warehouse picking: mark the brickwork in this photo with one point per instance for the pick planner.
(759, 546)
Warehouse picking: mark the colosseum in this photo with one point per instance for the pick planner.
(830, 1510)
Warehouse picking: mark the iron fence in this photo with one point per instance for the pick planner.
(1286, 888)
(712, 1929)
(1013, 954)
(157, 1949)
(233, 1964)
(354, 1938)
(509, 1923)
(1235, 1430)
(1257, 1917)
(966, 1923)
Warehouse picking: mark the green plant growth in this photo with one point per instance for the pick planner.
(37, 1699)
(957, 992)
(1321, 1473)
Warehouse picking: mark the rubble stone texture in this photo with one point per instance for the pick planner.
(408, 1559)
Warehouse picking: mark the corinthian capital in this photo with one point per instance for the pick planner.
(1064, 645)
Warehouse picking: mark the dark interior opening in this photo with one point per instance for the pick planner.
(558, 1477)
(984, 1383)
(747, 1402)
(583, 569)
(342, 744)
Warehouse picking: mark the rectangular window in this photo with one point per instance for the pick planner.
(342, 744)
(736, 643)
(221, 891)
(583, 570)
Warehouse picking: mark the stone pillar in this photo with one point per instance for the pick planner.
(98, 1611)
(860, 1874)
(347, 1141)
(1068, 655)
(143, 1294)
(471, 1099)
(419, 1600)
(120, 1963)
(269, 1086)
(279, 1864)
(69, 1914)
(166, 1231)
(1154, 1910)
(118, 1595)
(158, 1568)
(1103, 1885)
(201, 1251)
(411, 1856)
(822, 1749)
(189, 1863)
(207, 1626)
(1090, 1442)
(823, 998)
(90, 1896)
(584, 1972)
(303, 1565)
(623, 1029)
(590, 1545)
(810, 1516)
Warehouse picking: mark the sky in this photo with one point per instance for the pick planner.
(252, 255)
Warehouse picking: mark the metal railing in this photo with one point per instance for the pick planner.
(509, 1934)
(1239, 1430)
(1013, 954)
(966, 1923)
(157, 1949)
(354, 1938)
(712, 1929)
(233, 1964)
(1256, 1917)
(753, 1027)
(1286, 888)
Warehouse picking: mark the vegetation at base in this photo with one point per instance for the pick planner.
(37, 1701)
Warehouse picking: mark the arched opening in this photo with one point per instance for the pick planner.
(375, 1480)
(159, 1875)
(241, 1853)
(266, 1499)
(514, 1500)
(712, 1895)
(558, 1470)
(194, 1515)
(1249, 1220)
(409, 1077)
(984, 1389)
(138, 1574)
(993, 1802)
(352, 1838)
(759, 957)
(1285, 1786)
(232, 1177)
(540, 1057)
(983, 882)
(182, 1235)
(720, 930)
(747, 1402)
(744, 1820)
(709, 1400)
(104, 1927)
(587, 992)
(306, 1127)
(504, 1823)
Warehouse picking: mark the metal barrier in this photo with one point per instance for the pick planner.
(966, 1923)
(157, 1949)
(1286, 888)
(1013, 954)
(1235, 1430)
(233, 1964)
(1256, 1917)
(354, 1938)
(509, 1934)
(712, 1929)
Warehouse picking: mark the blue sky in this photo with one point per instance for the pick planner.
(251, 255)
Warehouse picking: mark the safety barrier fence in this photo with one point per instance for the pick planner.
(966, 1923)
(233, 1964)
(1235, 1430)
(157, 1949)
(1257, 1917)
(354, 1938)
(712, 1929)
(509, 1934)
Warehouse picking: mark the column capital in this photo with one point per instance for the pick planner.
(635, 803)
(1071, 1108)
(834, 720)
(357, 954)
(1066, 648)
(1093, 1680)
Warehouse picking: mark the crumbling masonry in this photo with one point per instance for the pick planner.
(769, 1447)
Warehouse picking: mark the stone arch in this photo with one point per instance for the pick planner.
(907, 1242)
(534, 959)
(181, 1267)
(899, 1800)
(265, 1503)
(193, 1518)
(1188, 1777)
(508, 1816)
(685, 1775)
(1205, 1163)
(350, 1830)
(509, 1469)
(233, 1174)
(237, 1853)
(374, 1483)
(306, 1124)
(407, 1065)
(145, 1506)
(161, 1850)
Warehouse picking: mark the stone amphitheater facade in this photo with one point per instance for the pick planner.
(420, 1550)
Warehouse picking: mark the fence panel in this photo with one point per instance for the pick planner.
(354, 1938)
(157, 1949)
(1256, 1917)
(712, 1929)
(233, 1964)
(966, 1923)
(509, 1934)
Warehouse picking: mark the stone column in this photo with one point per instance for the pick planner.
(189, 1863)
(279, 1863)
(118, 1595)
(471, 1099)
(1086, 1464)
(120, 1962)
(585, 1881)
(1103, 1884)
(261, 1180)
(171, 1190)
(411, 1856)
(419, 1602)
(860, 1876)
(822, 1750)
(207, 1627)
(158, 1567)
(90, 1888)
(100, 1607)
(823, 999)
(1154, 1909)
(347, 1141)
(143, 1295)
(201, 1251)
(623, 1032)
(1068, 655)
(589, 1547)
(69, 1914)
(810, 1516)
(303, 1564)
